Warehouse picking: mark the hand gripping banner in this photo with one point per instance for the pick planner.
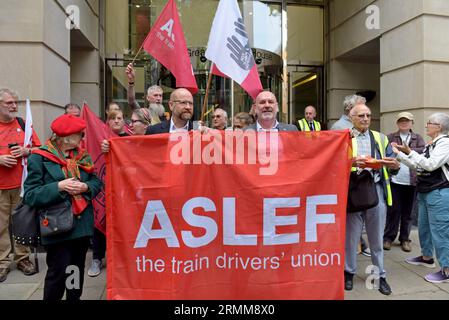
(227, 215)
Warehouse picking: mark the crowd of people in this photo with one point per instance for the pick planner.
(60, 171)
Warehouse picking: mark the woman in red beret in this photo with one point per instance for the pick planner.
(61, 171)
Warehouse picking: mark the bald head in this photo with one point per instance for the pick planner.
(180, 92)
(266, 107)
(181, 105)
(310, 113)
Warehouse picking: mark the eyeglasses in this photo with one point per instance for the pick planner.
(216, 116)
(134, 121)
(184, 102)
(433, 123)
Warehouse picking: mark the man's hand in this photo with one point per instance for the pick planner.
(7, 161)
(18, 151)
(130, 73)
(359, 162)
(202, 128)
(105, 146)
(391, 163)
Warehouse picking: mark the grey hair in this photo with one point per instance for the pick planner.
(157, 109)
(154, 88)
(144, 115)
(224, 112)
(156, 112)
(442, 119)
(65, 140)
(4, 91)
(351, 101)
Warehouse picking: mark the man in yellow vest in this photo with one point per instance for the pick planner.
(308, 123)
(371, 143)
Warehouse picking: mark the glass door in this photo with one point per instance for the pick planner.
(306, 89)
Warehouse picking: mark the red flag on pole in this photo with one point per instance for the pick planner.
(166, 44)
(96, 132)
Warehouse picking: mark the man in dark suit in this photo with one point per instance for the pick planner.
(181, 107)
(266, 109)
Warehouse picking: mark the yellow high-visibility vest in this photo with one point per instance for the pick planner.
(304, 125)
(382, 146)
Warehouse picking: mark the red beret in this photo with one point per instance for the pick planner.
(67, 125)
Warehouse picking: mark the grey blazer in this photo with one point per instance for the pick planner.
(282, 127)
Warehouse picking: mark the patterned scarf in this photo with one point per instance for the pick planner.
(78, 159)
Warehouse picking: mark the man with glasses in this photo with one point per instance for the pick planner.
(220, 119)
(12, 150)
(366, 143)
(181, 107)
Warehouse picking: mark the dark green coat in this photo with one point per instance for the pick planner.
(41, 190)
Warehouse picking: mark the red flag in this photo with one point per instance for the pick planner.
(166, 44)
(96, 132)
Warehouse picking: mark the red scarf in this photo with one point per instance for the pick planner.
(78, 159)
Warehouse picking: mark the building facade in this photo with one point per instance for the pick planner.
(308, 52)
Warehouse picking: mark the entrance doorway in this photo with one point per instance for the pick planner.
(306, 88)
(224, 93)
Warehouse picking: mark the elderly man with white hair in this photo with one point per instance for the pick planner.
(154, 93)
(12, 150)
(220, 119)
(367, 142)
(345, 122)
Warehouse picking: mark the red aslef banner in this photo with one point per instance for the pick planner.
(227, 215)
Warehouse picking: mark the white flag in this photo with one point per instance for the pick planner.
(27, 141)
(228, 48)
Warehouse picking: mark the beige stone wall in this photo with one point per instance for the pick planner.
(349, 77)
(39, 56)
(414, 60)
(34, 57)
(85, 55)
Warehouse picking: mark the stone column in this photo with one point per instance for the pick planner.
(414, 60)
(35, 57)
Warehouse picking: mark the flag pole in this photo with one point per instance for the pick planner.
(209, 81)
(132, 62)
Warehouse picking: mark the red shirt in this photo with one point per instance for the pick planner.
(11, 178)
